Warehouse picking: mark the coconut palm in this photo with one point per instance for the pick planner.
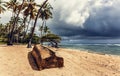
(30, 12)
(18, 27)
(3, 31)
(46, 29)
(45, 14)
(12, 5)
(2, 6)
(29, 43)
(17, 12)
(41, 29)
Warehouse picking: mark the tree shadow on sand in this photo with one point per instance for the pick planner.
(32, 62)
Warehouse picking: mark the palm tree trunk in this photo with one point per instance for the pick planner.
(28, 26)
(41, 29)
(24, 25)
(29, 43)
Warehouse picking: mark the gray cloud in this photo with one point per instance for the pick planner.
(97, 19)
(85, 19)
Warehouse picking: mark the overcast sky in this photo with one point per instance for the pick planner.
(84, 20)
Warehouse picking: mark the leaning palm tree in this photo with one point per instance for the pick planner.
(30, 12)
(29, 43)
(11, 5)
(17, 11)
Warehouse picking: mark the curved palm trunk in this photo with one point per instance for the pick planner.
(10, 40)
(29, 43)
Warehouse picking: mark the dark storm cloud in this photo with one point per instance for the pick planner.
(102, 23)
(96, 28)
(106, 23)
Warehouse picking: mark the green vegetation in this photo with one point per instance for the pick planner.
(17, 30)
(51, 38)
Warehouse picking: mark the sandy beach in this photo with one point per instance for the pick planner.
(16, 61)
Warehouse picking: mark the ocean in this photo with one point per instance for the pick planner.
(113, 49)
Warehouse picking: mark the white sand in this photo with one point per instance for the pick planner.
(14, 61)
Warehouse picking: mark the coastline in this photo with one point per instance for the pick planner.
(14, 62)
(86, 51)
(93, 52)
(110, 49)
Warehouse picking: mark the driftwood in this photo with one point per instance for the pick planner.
(46, 58)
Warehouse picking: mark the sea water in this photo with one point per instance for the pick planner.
(113, 49)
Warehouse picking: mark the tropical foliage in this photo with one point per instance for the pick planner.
(2, 7)
(17, 30)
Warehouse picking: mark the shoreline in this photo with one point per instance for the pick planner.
(15, 62)
(111, 49)
(90, 51)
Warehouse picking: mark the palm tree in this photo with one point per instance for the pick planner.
(52, 38)
(45, 14)
(30, 12)
(29, 43)
(12, 5)
(3, 31)
(46, 30)
(41, 29)
(18, 29)
(17, 12)
(2, 6)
